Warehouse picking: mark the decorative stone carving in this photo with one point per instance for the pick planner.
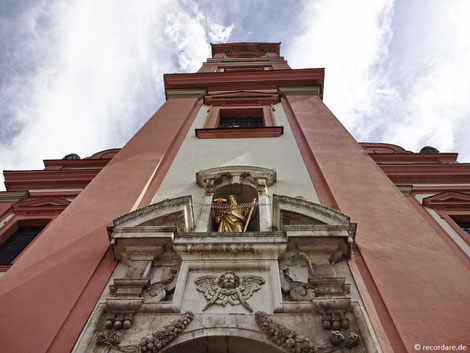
(335, 321)
(257, 177)
(339, 341)
(108, 339)
(228, 288)
(330, 286)
(118, 321)
(295, 269)
(282, 336)
(151, 343)
(162, 284)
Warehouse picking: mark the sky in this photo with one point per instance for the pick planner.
(82, 76)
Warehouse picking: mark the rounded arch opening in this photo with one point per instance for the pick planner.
(245, 194)
(225, 344)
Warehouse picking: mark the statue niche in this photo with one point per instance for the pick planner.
(235, 209)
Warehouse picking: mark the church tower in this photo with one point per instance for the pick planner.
(242, 217)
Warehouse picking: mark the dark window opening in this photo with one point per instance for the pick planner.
(465, 226)
(239, 123)
(17, 242)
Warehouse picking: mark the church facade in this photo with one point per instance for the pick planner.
(242, 217)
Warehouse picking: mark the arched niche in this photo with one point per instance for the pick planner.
(245, 182)
(231, 342)
(245, 195)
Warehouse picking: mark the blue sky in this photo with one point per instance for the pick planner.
(82, 76)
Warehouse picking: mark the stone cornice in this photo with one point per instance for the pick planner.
(226, 81)
(427, 173)
(13, 196)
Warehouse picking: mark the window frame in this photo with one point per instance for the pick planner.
(14, 224)
(244, 68)
(451, 205)
(211, 127)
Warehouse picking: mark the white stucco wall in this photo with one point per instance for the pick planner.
(281, 154)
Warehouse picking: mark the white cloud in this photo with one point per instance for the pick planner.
(97, 73)
(350, 39)
(219, 33)
(395, 72)
(434, 72)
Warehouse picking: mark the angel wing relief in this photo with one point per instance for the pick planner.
(228, 288)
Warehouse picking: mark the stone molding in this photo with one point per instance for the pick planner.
(139, 216)
(185, 92)
(13, 196)
(310, 90)
(254, 176)
(310, 209)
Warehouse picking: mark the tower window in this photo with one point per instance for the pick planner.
(244, 68)
(17, 242)
(236, 123)
(240, 122)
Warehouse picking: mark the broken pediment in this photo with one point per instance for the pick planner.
(315, 229)
(289, 212)
(143, 232)
(175, 212)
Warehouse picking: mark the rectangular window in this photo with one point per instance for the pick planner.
(245, 68)
(17, 242)
(240, 123)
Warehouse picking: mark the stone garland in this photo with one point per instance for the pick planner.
(295, 343)
(151, 343)
(283, 336)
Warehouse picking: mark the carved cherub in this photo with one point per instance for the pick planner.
(228, 288)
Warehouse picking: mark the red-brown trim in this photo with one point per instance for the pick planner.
(241, 99)
(244, 68)
(448, 200)
(213, 118)
(226, 81)
(20, 220)
(105, 154)
(408, 157)
(448, 216)
(74, 164)
(427, 173)
(162, 168)
(245, 49)
(441, 232)
(318, 179)
(389, 334)
(49, 179)
(254, 132)
(380, 147)
(48, 280)
(4, 268)
(81, 311)
(433, 189)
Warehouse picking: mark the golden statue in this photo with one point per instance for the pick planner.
(230, 216)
